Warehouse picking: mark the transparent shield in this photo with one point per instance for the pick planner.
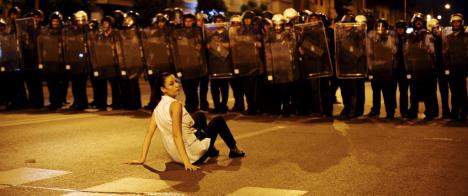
(130, 53)
(75, 51)
(9, 58)
(314, 50)
(188, 54)
(218, 50)
(455, 51)
(381, 50)
(280, 48)
(245, 54)
(418, 58)
(27, 39)
(350, 50)
(157, 51)
(49, 51)
(102, 55)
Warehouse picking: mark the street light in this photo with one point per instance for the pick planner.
(428, 17)
(447, 6)
(439, 17)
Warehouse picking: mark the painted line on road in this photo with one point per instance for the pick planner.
(42, 120)
(26, 175)
(442, 139)
(263, 131)
(266, 191)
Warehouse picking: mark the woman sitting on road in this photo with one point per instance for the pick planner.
(186, 140)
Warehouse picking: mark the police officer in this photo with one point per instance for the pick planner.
(400, 71)
(79, 73)
(423, 79)
(131, 96)
(236, 85)
(15, 91)
(219, 86)
(201, 19)
(457, 66)
(160, 29)
(382, 80)
(436, 30)
(57, 81)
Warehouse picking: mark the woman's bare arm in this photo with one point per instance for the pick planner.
(147, 142)
(176, 115)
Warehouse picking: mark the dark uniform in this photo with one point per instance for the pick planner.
(400, 72)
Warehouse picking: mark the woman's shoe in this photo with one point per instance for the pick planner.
(234, 154)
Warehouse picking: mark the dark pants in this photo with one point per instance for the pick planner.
(403, 89)
(422, 91)
(15, 90)
(249, 89)
(353, 92)
(217, 126)
(33, 79)
(443, 90)
(100, 92)
(55, 85)
(459, 96)
(131, 97)
(326, 96)
(79, 82)
(203, 93)
(283, 100)
(220, 86)
(236, 86)
(155, 92)
(65, 82)
(116, 88)
(191, 94)
(388, 89)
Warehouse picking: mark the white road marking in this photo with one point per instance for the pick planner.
(25, 175)
(265, 191)
(48, 119)
(442, 139)
(263, 131)
(341, 127)
(130, 185)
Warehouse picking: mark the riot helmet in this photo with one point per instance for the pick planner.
(107, 23)
(80, 18)
(314, 17)
(93, 25)
(291, 15)
(267, 14)
(14, 12)
(236, 20)
(381, 25)
(304, 16)
(219, 18)
(55, 20)
(457, 21)
(118, 16)
(189, 20)
(177, 16)
(348, 18)
(278, 21)
(418, 21)
(361, 19)
(131, 19)
(159, 20)
(248, 17)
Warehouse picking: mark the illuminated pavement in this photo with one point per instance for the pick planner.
(68, 153)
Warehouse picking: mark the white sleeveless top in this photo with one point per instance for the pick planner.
(194, 147)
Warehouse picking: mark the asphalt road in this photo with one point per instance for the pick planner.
(69, 153)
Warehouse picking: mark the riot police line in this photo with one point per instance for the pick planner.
(288, 64)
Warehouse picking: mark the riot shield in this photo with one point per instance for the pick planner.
(315, 53)
(9, 58)
(49, 49)
(245, 54)
(381, 49)
(418, 58)
(217, 45)
(455, 52)
(350, 50)
(188, 53)
(102, 55)
(75, 50)
(27, 39)
(130, 54)
(157, 51)
(280, 52)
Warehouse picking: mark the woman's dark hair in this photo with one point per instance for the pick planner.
(159, 84)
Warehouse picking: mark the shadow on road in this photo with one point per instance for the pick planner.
(189, 181)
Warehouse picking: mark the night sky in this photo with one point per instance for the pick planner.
(436, 7)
